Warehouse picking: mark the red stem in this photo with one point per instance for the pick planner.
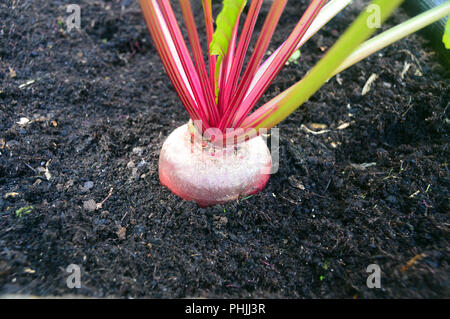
(183, 52)
(200, 63)
(286, 51)
(209, 23)
(260, 48)
(244, 41)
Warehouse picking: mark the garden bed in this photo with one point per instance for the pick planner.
(79, 176)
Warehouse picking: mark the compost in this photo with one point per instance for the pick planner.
(363, 178)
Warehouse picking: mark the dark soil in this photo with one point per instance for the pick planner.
(100, 108)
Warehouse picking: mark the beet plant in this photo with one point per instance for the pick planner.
(221, 154)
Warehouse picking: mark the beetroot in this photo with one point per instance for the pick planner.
(207, 174)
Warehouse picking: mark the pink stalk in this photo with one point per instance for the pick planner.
(286, 50)
(227, 65)
(260, 48)
(244, 41)
(200, 63)
(186, 61)
(325, 15)
(207, 11)
(263, 112)
(171, 58)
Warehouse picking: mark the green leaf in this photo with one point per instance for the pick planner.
(24, 210)
(225, 24)
(294, 57)
(446, 37)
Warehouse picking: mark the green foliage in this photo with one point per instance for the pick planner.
(446, 37)
(294, 57)
(24, 210)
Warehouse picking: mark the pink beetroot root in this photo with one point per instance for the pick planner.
(210, 175)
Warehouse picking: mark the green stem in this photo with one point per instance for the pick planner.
(394, 34)
(288, 101)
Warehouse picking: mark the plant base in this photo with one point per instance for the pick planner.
(210, 175)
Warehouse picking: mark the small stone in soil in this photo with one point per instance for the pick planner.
(88, 185)
(90, 205)
(142, 164)
(121, 232)
(138, 150)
